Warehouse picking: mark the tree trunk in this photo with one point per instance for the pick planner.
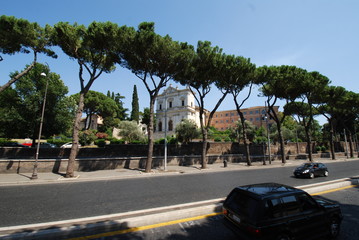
(204, 149)
(332, 150)
(150, 137)
(75, 138)
(17, 77)
(281, 142)
(245, 142)
(309, 144)
(351, 144)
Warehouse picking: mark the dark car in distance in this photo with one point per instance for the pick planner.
(311, 170)
(280, 212)
(46, 145)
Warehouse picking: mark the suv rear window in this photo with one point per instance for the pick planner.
(243, 204)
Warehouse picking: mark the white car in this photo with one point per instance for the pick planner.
(68, 145)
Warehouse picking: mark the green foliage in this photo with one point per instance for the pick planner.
(135, 113)
(146, 117)
(170, 140)
(186, 131)
(3, 141)
(100, 142)
(21, 106)
(87, 137)
(227, 139)
(59, 140)
(121, 111)
(237, 132)
(117, 141)
(20, 35)
(131, 132)
(217, 139)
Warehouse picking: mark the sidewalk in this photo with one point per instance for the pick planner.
(48, 177)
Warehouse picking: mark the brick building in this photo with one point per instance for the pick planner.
(223, 120)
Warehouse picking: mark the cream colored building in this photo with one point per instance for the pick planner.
(172, 106)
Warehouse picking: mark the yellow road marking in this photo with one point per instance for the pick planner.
(333, 190)
(135, 229)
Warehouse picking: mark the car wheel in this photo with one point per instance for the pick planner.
(334, 228)
(326, 173)
(283, 236)
(311, 175)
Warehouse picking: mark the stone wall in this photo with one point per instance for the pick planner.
(16, 160)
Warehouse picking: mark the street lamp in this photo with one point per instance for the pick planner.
(34, 173)
(165, 153)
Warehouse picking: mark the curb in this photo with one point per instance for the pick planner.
(135, 219)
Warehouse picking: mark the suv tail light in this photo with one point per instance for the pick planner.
(254, 231)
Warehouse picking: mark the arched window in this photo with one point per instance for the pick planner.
(160, 126)
(170, 125)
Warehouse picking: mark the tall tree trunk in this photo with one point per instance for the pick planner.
(150, 136)
(245, 140)
(351, 148)
(75, 137)
(309, 143)
(204, 149)
(332, 150)
(281, 142)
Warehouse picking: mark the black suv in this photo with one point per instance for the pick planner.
(276, 211)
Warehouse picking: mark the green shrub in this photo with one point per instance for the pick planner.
(227, 139)
(218, 139)
(87, 137)
(137, 142)
(3, 141)
(100, 142)
(117, 141)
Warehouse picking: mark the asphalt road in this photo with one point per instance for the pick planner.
(213, 228)
(53, 202)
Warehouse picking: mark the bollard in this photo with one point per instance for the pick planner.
(225, 163)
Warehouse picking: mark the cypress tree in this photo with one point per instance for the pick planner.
(135, 113)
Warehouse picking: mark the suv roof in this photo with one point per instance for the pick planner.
(264, 190)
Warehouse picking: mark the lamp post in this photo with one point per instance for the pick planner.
(34, 173)
(165, 153)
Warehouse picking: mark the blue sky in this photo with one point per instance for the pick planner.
(317, 35)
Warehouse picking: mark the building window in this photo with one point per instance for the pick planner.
(191, 104)
(160, 106)
(170, 125)
(226, 114)
(182, 103)
(257, 111)
(250, 112)
(170, 104)
(244, 113)
(160, 126)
